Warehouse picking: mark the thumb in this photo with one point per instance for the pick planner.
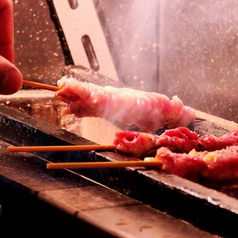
(10, 77)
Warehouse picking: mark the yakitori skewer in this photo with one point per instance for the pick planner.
(60, 148)
(91, 165)
(55, 88)
(40, 85)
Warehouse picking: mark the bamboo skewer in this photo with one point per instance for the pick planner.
(59, 148)
(91, 165)
(40, 85)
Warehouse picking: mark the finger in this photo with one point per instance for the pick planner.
(10, 77)
(6, 30)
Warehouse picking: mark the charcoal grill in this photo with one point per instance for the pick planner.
(128, 202)
(122, 202)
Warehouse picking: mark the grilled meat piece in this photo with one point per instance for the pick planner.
(180, 139)
(148, 110)
(215, 166)
(138, 143)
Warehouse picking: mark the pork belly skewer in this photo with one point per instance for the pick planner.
(180, 140)
(214, 166)
(148, 110)
(130, 142)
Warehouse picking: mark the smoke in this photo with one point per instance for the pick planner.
(198, 54)
(180, 47)
(131, 29)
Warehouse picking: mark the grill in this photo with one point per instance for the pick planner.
(125, 202)
(122, 202)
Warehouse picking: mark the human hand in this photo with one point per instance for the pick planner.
(10, 76)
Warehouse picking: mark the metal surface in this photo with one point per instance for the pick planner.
(81, 25)
(63, 202)
(192, 202)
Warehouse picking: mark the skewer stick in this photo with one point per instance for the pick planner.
(40, 85)
(60, 148)
(91, 165)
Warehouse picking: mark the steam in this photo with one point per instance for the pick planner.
(198, 54)
(181, 47)
(131, 28)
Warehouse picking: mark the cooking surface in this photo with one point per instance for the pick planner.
(167, 193)
(44, 195)
(64, 202)
(207, 80)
